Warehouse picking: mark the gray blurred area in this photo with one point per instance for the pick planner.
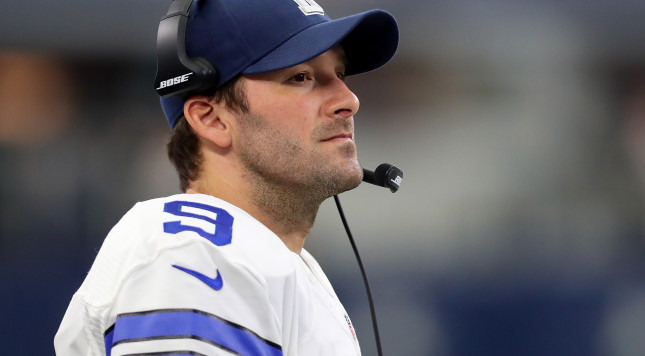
(519, 125)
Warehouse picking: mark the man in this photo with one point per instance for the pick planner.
(221, 269)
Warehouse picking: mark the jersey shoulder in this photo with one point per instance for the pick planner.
(185, 221)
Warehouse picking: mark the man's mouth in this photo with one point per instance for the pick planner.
(340, 137)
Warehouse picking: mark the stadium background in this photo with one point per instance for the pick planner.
(520, 126)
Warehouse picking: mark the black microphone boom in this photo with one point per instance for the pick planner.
(385, 175)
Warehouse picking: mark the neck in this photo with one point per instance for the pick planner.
(286, 210)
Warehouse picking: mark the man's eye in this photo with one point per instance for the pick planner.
(300, 78)
(341, 76)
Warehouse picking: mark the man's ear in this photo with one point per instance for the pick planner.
(209, 119)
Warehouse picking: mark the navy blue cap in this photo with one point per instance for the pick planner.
(257, 36)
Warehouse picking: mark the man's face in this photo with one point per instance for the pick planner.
(299, 133)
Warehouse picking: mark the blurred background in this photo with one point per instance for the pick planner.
(520, 126)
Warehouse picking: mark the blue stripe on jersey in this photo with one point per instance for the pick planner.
(109, 336)
(167, 354)
(187, 323)
(171, 353)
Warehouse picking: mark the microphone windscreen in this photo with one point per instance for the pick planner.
(381, 173)
(393, 177)
(385, 175)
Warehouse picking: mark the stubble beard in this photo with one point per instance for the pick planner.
(285, 178)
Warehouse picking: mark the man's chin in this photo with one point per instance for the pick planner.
(351, 178)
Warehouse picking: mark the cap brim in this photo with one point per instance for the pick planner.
(369, 39)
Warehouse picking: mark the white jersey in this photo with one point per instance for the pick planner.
(193, 275)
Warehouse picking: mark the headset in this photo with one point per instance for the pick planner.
(180, 75)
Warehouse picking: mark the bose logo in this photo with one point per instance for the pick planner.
(174, 81)
(397, 180)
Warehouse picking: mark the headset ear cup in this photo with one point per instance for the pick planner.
(206, 72)
(178, 74)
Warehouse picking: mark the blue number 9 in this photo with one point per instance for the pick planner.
(223, 222)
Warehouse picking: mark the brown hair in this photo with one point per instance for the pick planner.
(183, 146)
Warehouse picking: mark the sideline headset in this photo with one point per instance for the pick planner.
(178, 74)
